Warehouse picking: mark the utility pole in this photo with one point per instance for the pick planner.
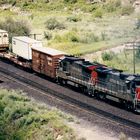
(34, 35)
(134, 64)
(133, 46)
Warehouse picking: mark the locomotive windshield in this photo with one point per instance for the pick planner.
(137, 83)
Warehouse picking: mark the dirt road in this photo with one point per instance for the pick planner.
(96, 56)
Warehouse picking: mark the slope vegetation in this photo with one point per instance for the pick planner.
(23, 119)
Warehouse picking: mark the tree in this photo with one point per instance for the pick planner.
(15, 28)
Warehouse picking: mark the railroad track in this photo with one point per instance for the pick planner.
(74, 102)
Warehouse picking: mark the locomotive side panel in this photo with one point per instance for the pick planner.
(76, 71)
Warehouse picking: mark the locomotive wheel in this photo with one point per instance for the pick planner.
(90, 92)
(64, 82)
(61, 81)
(127, 105)
(130, 106)
(84, 89)
(121, 101)
(102, 96)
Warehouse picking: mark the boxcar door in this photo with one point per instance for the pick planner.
(5, 38)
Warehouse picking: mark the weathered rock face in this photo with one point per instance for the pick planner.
(136, 5)
(93, 1)
(125, 2)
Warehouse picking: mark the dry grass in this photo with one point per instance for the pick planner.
(93, 33)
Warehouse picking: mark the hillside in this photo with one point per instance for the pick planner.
(77, 27)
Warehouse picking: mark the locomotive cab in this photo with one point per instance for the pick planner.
(134, 85)
(137, 94)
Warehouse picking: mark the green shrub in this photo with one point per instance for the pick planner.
(98, 13)
(6, 1)
(2, 106)
(103, 36)
(20, 120)
(46, 1)
(94, 37)
(14, 2)
(72, 37)
(70, 1)
(138, 24)
(127, 10)
(15, 28)
(122, 136)
(89, 38)
(31, 16)
(25, 4)
(89, 8)
(47, 35)
(58, 38)
(52, 24)
(73, 19)
(112, 5)
(67, 37)
(107, 56)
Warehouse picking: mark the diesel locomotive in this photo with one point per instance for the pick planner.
(94, 79)
(101, 81)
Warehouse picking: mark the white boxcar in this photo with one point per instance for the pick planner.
(4, 42)
(21, 46)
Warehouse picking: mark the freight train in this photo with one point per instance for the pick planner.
(94, 79)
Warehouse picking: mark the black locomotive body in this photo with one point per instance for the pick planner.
(101, 81)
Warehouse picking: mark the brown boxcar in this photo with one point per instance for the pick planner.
(46, 60)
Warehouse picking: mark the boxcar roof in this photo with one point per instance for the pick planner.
(26, 39)
(49, 51)
(3, 31)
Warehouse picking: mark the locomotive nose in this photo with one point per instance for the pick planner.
(138, 93)
(137, 99)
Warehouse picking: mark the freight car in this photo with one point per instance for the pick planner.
(29, 53)
(21, 53)
(4, 43)
(92, 78)
(22, 46)
(46, 60)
